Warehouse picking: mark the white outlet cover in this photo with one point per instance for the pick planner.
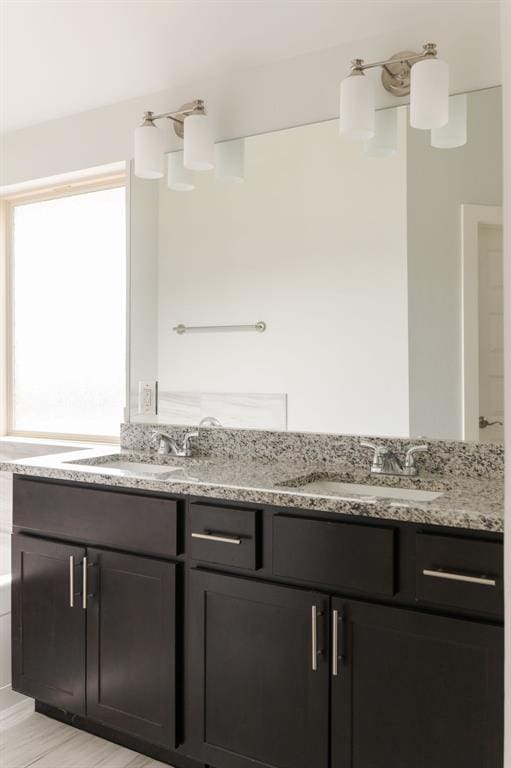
(147, 397)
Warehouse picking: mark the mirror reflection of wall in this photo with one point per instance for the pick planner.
(352, 256)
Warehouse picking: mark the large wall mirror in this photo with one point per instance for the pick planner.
(375, 271)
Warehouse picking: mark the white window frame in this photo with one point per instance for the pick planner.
(7, 206)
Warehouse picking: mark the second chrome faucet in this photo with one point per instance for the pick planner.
(387, 462)
(169, 445)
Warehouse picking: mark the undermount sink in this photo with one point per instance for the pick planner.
(330, 487)
(138, 467)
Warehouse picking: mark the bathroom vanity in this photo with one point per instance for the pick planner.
(225, 632)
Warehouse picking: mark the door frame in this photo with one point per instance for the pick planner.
(471, 217)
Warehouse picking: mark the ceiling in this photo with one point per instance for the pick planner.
(61, 57)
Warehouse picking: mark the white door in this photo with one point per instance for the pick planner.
(491, 331)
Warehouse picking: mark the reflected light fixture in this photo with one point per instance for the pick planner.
(454, 132)
(191, 124)
(422, 75)
(179, 178)
(230, 161)
(384, 142)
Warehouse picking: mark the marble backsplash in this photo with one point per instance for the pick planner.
(474, 460)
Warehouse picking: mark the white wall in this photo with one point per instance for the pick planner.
(305, 245)
(439, 181)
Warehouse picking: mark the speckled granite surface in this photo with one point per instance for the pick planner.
(476, 460)
(465, 502)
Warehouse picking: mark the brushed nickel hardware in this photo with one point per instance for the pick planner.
(71, 581)
(335, 642)
(213, 537)
(84, 584)
(209, 421)
(314, 636)
(483, 422)
(440, 574)
(178, 116)
(168, 445)
(387, 462)
(181, 328)
(395, 76)
(410, 467)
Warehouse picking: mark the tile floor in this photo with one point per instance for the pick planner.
(40, 742)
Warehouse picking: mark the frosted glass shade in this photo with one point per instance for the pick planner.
(384, 141)
(230, 160)
(198, 144)
(179, 178)
(149, 144)
(429, 94)
(356, 119)
(454, 133)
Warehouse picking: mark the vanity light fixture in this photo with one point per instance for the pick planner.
(385, 140)
(230, 161)
(179, 178)
(191, 124)
(422, 75)
(454, 132)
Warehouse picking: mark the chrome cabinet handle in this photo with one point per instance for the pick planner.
(71, 581)
(84, 584)
(314, 644)
(314, 638)
(439, 574)
(213, 537)
(335, 642)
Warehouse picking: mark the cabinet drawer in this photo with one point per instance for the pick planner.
(339, 555)
(223, 535)
(145, 524)
(460, 573)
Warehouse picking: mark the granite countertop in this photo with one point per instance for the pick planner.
(465, 502)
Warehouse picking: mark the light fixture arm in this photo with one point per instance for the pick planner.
(429, 49)
(396, 70)
(196, 107)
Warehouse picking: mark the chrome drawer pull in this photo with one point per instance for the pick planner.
(213, 537)
(460, 577)
(314, 637)
(84, 584)
(71, 581)
(335, 643)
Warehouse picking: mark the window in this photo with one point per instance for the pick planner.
(67, 315)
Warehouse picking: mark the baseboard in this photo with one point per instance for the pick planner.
(10, 716)
(174, 759)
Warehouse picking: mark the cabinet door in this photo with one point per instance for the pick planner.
(48, 622)
(414, 689)
(254, 697)
(131, 621)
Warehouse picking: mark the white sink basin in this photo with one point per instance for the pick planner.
(138, 467)
(332, 488)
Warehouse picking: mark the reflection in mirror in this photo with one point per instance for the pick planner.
(376, 270)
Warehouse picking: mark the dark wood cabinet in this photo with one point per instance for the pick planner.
(118, 645)
(255, 698)
(269, 640)
(131, 644)
(48, 632)
(414, 689)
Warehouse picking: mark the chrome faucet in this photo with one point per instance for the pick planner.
(387, 462)
(168, 445)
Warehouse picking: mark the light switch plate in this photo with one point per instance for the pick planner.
(148, 398)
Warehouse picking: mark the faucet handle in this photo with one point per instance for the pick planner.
(379, 452)
(410, 454)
